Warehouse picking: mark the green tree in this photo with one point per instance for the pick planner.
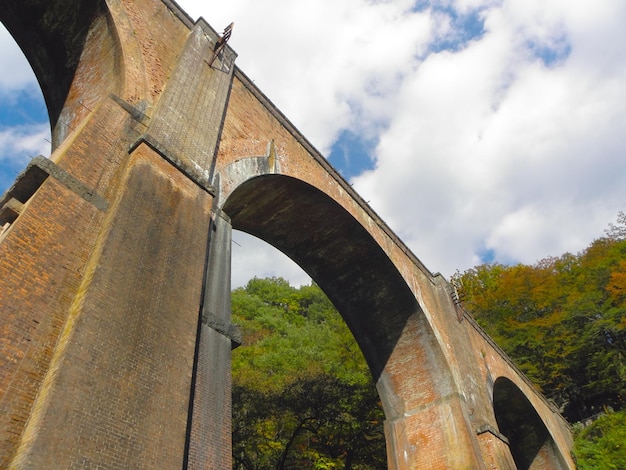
(303, 396)
(602, 445)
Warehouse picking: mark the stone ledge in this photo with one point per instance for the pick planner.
(10, 211)
(200, 180)
(483, 428)
(230, 330)
(37, 171)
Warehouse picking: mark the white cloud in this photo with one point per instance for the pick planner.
(496, 150)
(252, 257)
(16, 72)
(327, 65)
(20, 143)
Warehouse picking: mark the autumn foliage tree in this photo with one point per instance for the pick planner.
(562, 320)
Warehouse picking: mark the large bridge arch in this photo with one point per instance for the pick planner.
(335, 250)
(54, 36)
(81, 52)
(405, 357)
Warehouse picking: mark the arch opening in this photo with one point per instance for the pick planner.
(254, 258)
(302, 394)
(530, 442)
(24, 123)
(372, 297)
(336, 251)
(52, 36)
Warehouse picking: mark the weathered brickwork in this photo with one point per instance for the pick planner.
(115, 336)
(137, 337)
(494, 450)
(160, 35)
(34, 312)
(212, 413)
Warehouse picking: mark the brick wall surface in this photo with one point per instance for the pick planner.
(38, 274)
(122, 386)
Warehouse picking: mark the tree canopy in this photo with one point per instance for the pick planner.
(562, 320)
(602, 444)
(303, 396)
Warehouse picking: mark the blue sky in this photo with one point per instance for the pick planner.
(24, 132)
(480, 130)
(24, 125)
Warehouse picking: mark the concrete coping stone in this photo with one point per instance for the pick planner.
(37, 171)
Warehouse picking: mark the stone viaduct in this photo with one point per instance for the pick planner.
(115, 332)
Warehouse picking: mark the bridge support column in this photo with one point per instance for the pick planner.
(495, 449)
(427, 425)
(114, 392)
(209, 430)
(434, 437)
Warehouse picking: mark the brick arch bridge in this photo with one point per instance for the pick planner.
(115, 264)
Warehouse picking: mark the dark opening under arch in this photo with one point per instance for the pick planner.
(336, 251)
(530, 442)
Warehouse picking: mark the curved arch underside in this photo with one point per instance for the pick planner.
(52, 35)
(529, 440)
(336, 251)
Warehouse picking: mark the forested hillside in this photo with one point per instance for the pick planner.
(563, 322)
(303, 397)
